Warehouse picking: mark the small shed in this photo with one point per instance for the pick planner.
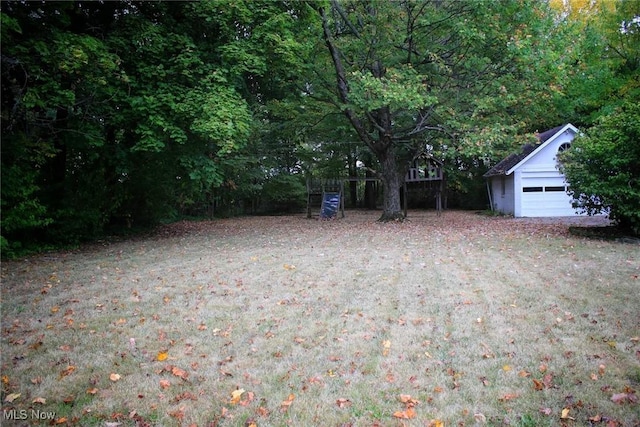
(529, 183)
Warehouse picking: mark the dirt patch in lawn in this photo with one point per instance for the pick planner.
(460, 318)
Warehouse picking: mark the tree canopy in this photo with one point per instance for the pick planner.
(124, 114)
(452, 78)
(603, 166)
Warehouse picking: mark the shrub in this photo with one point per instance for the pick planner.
(603, 167)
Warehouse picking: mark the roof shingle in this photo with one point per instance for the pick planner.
(513, 159)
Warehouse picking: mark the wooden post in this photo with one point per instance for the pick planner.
(308, 197)
(342, 197)
(404, 185)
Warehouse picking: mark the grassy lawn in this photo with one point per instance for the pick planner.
(460, 319)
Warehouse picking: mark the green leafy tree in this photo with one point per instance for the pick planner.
(121, 113)
(447, 76)
(56, 86)
(601, 64)
(603, 167)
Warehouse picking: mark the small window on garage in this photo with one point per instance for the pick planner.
(532, 189)
(564, 147)
(554, 189)
(503, 186)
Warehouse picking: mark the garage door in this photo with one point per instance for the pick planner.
(545, 197)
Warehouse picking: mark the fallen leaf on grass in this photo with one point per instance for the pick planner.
(248, 398)
(315, 380)
(11, 397)
(165, 384)
(162, 356)
(92, 391)
(386, 345)
(547, 380)
(236, 395)
(622, 398)
(565, 414)
(178, 414)
(284, 406)
(407, 414)
(179, 372)
(409, 403)
(40, 400)
(114, 377)
(435, 423)
(343, 403)
(67, 371)
(408, 400)
(509, 396)
(184, 396)
(480, 418)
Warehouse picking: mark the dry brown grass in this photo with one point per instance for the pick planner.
(329, 324)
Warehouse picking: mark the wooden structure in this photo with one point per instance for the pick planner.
(425, 176)
(327, 195)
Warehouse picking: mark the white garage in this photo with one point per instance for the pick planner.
(529, 184)
(545, 196)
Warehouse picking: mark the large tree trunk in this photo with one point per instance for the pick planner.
(391, 181)
(380, 120)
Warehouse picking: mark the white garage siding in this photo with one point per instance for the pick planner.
(544, 196)
(536, 188)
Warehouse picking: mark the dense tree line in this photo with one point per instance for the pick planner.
(127, 113)
(124, 114)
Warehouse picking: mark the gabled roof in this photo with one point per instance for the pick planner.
(511, 162)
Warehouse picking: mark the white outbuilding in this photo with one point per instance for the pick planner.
(529, 183)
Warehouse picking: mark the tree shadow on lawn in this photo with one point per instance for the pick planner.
(607, 233)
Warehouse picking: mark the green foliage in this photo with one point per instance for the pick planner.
(459, 79)
(118, 115)
(401, 89)
(285, 193)
(603, 167)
